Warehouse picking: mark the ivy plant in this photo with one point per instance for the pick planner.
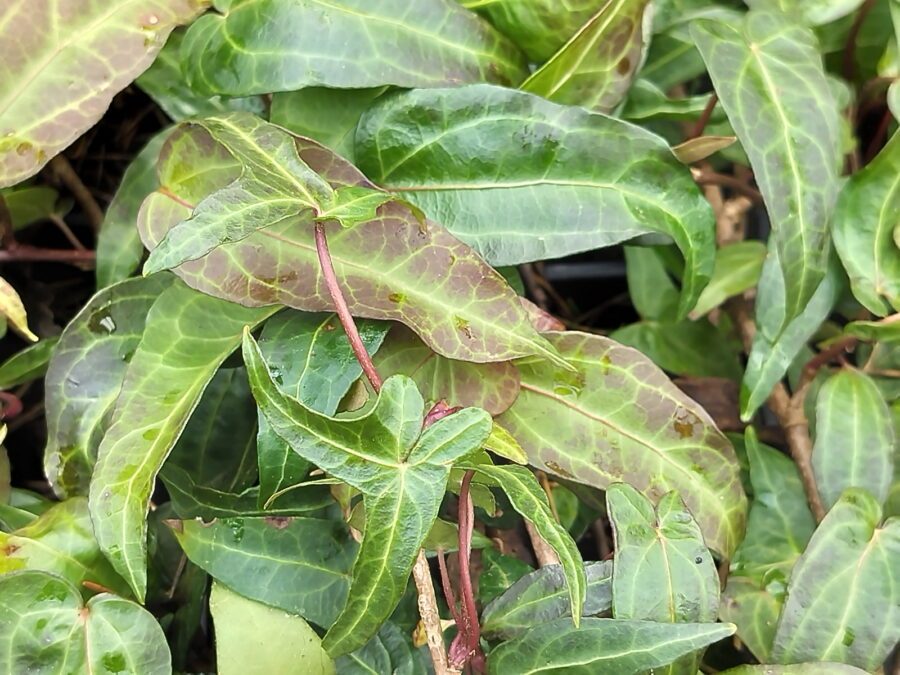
(324, 406)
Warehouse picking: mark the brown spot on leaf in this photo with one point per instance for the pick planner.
(463, 326)
(624, 66)
(9, 549)
(558, 470)
(278, 522)
(397, 297)
(684, 429)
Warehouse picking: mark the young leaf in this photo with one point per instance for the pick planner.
(166, 84)
(542, 596)
(480, 322)
(602, 645)
(700, 148)
(12, 309)
(529, 499)
(661, 440)
(602, 181)
(28, 204)
(492, 386)
(94, 53)
(261, 46)
(274, 186)
(841, 602)
(768, 74)
(305, 561)
(863, 230)
(27, 365)
(108, 634)
(855, 442)
(119, 247)
(60, 541)
(247, 630)
(737, 269)
(778, 529)
(776, 344)
(401, 471)
(595, 67)
(85, 375)
(328, 116)
(187, 336)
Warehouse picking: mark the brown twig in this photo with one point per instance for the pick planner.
(61, 168)
(63, 227)
(704, 117)
(343, 312)
(431, 618)
(27, 253)
(705, 177)
(542, 551)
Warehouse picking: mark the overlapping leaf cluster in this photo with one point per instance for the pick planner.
(215, 451)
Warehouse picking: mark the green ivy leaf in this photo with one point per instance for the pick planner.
(768, 73)
(274, 186)
(600, 180)
(595, 67)
(166, 84)
(93, 54)
(352, 205)
(538, 27)
(602, 645)
(108, 634)
(328, 116)
(660, 441)
(27, 365)
(388, 652)
(796, 669)
(60, 541)
(776, 345)
(345, 44)
(850, 564)
(647, 102)
(663, 571)
(481, 322)
(778, 529)
(29, 204)
(813, 12)
(246, 631)
(85, 375)
(492, 386)
(186, 338)
(305, 561)
(530, 501)
(541, 596)
(652, 291)
(855, 442)
(119, 247)
(738, 267)
(863, 230)
(500, 571)
(401, 471)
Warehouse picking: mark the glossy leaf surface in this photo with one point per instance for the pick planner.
(595, 67)
(660, 441)
(477, 322)
(850, 563)
(85, 376)
(63, 61)
(737, 269)
(602, 645)
(769, 77)
(598, 180)
(282, 45)
(188, 336)
(107, 635)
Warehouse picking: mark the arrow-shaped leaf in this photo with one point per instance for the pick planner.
(659, 441)
(598, 180)
(261, 46)
(842, 600)
(187, 336)
(427, 287)
(602, 646)
(595, 67)
(401, 471)
(768, 73)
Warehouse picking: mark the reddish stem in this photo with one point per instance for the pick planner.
(11, 405)
(343, 312)
(449, 595)
(26, 253)
(471, 627)
(704, 116)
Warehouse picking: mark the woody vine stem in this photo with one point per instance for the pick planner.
(466, 646)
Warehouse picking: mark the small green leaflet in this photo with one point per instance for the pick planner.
(850, 564)
(855, 440)
(768, 73)
(602, 646)
(187, 336)
(599, 180)
(401, 470)
(246, 631)
(29, 364)
(262, 46)
(107, 635)
(738, 267)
